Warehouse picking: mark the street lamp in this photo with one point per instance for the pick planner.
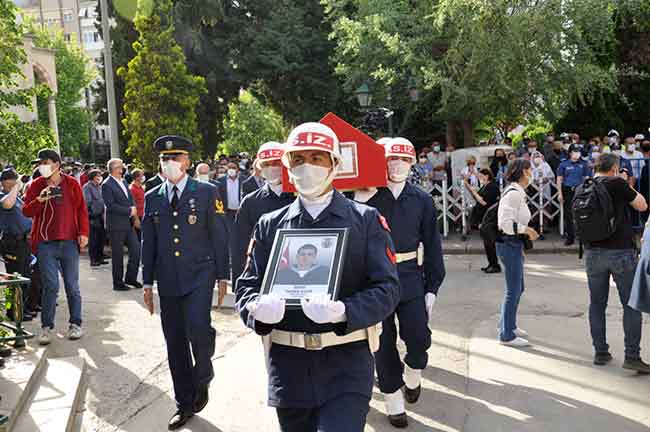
(364, 96)
(414, 93)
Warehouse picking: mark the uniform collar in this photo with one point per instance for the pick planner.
(180, 185)
(337, 206)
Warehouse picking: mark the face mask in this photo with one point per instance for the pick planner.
(46, 170)
(615, 147)
(171, 169)
(232, 172)
(436, 149)
(203, 178)
(311, 180)
(398, 170)
(532, 149)
(575, 156)
(143, 179)
(272, 174)
(631, 148)
(423, 160)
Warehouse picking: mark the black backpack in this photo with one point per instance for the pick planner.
(593, 211)
(490, 223)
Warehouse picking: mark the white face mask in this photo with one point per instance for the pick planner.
(398, 170)
(203, 178)
(232, 172)
(171, 169)
(436, 149)
(311, 180)
(143, 179)
(272, 174)
(46, 170)
(631, 148)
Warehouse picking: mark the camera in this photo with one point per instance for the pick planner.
(55, 192)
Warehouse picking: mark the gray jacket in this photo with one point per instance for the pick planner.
(94, 201)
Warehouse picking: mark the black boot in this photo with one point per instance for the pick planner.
(638, 365)
(399, 421)
(179, 419)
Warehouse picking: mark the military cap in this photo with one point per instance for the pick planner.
(172, 144)
(48, 154)
(8, 174)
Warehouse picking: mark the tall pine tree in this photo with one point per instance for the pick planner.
(161, 96)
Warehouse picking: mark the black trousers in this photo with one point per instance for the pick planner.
(569, 226)
(490, 247)
(345, 413)
(16, 254)
(96, 242)
(118, 240)
(236, 263)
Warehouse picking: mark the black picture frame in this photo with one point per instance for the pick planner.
(285, 273)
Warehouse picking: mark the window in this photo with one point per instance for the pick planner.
(66, 37)
(67, 17)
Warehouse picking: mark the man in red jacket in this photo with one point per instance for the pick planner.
(59, 231)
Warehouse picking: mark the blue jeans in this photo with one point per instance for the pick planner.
(52, 256)
(600, 264)
(511, 253)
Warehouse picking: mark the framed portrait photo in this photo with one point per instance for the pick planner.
(305, 262)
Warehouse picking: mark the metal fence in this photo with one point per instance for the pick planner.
(454, 204)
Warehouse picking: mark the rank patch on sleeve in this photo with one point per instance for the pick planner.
(218, 206)
(384, 223)
(391, 256)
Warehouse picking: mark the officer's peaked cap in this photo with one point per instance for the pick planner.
(172, 145)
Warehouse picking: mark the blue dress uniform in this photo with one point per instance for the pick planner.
(413, 220)
(253, 207)
(328, 389)
(187, 249)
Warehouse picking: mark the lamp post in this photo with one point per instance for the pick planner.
(414, 92)
(364, 97)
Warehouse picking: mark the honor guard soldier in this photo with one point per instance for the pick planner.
(184, 241)
(320, 361)
(412, 218)
(264, 200)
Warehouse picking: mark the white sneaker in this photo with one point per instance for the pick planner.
(521, 333)
(516, 343)
(45, 337)
(75, 332)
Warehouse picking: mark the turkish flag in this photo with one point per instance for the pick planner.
(364, 161)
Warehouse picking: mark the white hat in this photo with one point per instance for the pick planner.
(400, 147)
(269, 151)
(312, 136)
(639, 137)
(383, 141)
(612, 133)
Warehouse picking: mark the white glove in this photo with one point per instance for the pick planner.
(321, 310)
(268, 309)
(430, 300)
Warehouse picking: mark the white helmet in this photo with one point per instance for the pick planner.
(613, 133)
(384, 141)
(268, 152)
(312, 136)
(639, 137)
(400, 147)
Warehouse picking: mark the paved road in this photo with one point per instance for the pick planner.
(471, 383)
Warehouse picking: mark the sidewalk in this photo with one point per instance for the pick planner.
(473, 245)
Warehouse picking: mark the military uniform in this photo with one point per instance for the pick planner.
(413, 220)
(186, 246)
(325, 389)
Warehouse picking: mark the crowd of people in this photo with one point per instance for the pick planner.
(193, 226)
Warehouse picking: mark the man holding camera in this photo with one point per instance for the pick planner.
(60, 229)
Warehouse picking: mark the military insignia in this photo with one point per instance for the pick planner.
(192, 202)
(384, 223)
(191, 219)
(218, 205)
(169, 145)
(391, 255)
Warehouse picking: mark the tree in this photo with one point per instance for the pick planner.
(74, 73)
(500, 58)
(19, 141)
(250, 124)
(161, 96)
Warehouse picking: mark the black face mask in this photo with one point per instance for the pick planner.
(557, 151)
(645, 148)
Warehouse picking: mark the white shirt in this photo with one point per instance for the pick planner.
(122, 186)
(438, 160)
(316, 206)
(513, 209)
(396, 188)
(232, 187)
(637, 165)
(180, 186)
(276, 189)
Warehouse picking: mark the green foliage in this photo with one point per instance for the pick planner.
(161, 96)
(19, 142)
(500, 58)
(250, 124)
(74, 72)
(536, 131)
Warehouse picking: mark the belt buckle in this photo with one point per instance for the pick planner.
(313, 342)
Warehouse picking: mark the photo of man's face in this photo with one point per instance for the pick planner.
(306, 257)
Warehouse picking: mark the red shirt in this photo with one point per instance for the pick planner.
(138, 196)
(83, 179)
(63, 218)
